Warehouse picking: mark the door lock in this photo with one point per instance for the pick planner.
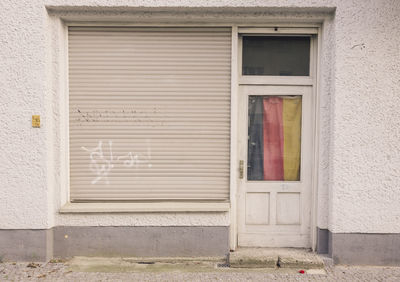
(241, 169)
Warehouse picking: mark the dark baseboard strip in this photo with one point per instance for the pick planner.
(68, 241)
(359, 248)
(322, 241)
(26, 244)
(141, 241)
(153, 241)
(366, 249)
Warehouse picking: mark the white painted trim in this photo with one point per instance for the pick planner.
(276, 80)
(278, 30)
(144, 24)
(245, 16)
(314, 182)
(234, 142)
(144, 207)
(311, 80)
(236, 67)
(159, 28)
(65, 156)
(64, 119)
(297, 26)
(275, 23)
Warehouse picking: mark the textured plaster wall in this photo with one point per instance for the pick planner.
(365, 149)
(23, 90)
(359, 88)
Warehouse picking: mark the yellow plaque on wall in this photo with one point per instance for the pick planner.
(35, 121)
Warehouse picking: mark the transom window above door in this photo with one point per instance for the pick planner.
(276, 55)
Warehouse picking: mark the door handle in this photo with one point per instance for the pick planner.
(241, 169)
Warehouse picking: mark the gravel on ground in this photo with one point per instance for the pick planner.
(59, 271)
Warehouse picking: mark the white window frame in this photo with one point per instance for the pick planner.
(117, 207)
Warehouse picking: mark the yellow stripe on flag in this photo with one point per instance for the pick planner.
(292, 138)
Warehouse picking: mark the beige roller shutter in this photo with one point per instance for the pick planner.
(149, 113)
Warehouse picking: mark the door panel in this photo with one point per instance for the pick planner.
(275, 144)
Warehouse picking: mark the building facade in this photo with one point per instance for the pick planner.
(192, 128)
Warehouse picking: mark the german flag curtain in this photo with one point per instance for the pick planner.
(274, 138)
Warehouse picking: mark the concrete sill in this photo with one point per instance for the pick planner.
(143, 207)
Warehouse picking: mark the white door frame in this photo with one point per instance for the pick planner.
(237, 79)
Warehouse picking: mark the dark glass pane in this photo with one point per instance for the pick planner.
(255, 153)
(276, 55)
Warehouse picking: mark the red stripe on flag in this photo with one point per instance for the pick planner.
(273, 138)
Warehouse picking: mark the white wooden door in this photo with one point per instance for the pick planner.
(276, 212)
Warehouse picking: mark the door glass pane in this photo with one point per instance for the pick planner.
(274, 138)
(276, 55)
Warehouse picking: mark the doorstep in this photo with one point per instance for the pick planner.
(275, 258)
(171, 264)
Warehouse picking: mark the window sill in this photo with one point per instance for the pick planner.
(143, 207)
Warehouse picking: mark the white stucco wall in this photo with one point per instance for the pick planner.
(359, 169)
(365, 149)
